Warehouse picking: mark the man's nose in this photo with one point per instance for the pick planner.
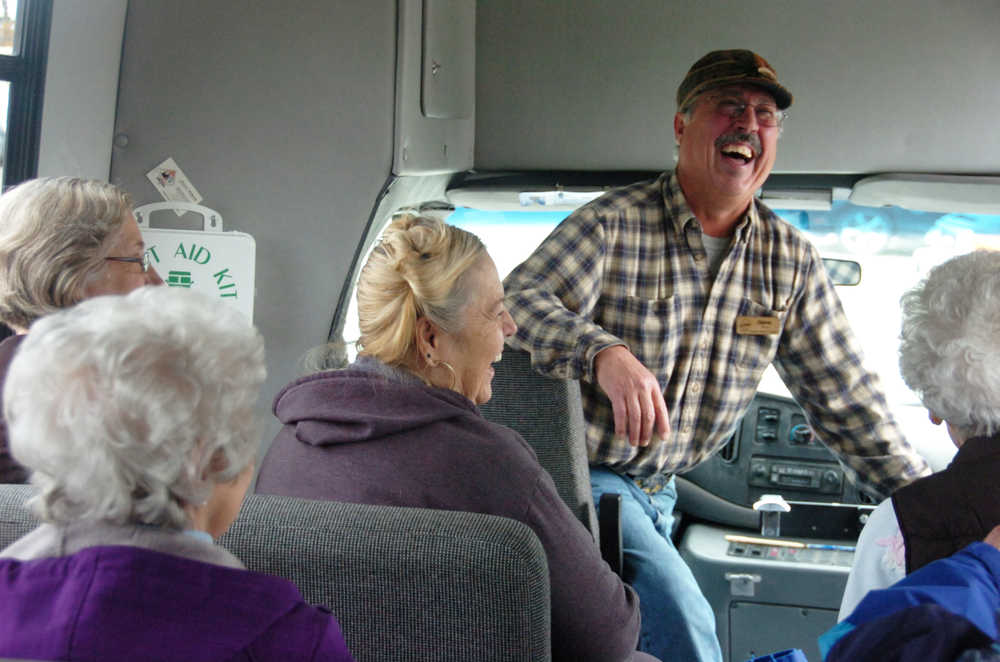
(748, 118)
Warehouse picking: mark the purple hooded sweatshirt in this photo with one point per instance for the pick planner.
(129, 602)
(372, 434)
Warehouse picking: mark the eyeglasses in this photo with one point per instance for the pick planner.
(767, 115)
(141, 261)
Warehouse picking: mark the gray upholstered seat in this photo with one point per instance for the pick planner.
(548, 413)
(15, 520)
(405, 583)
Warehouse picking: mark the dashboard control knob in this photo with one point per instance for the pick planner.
(800, 434)
(831, 478)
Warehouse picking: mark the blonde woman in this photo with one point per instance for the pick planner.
(400, 426)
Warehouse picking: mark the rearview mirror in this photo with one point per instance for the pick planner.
(842, 272)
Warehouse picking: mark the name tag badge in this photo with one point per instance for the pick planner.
(757, 326)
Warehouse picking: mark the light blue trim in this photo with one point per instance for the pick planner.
(833, 635)
(199, 535)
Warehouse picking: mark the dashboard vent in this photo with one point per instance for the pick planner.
(730, 451)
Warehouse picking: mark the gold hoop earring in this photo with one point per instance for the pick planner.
(433, 363)
(454, 376)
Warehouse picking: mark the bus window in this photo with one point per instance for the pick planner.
(8, 27)
(895, 248)
(24, 37)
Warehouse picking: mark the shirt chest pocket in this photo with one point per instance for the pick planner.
(652, 328)
(756, 345)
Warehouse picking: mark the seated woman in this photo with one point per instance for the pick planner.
(400, 426)
(135, 416)
(62, 240)
(944, 612)
(950, 341)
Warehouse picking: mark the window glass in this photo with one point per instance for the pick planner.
(4, 98)
(8, 26)
(510, 236)
(895, 248)
(24, 42)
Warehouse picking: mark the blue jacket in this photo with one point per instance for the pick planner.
(939, 611)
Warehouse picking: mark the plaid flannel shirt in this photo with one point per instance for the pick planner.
(630, 269)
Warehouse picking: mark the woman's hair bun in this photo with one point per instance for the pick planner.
(409, 239)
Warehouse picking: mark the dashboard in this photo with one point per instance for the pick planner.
(774, 451)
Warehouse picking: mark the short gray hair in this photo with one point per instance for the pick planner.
(127, 408)
(950, 341)
(54, 236)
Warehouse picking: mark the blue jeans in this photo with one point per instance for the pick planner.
(677, 621)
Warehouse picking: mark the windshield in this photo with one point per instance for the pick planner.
(895, 248)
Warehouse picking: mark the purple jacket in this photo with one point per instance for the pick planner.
(370, 434)
(10, 470)
(127, 602)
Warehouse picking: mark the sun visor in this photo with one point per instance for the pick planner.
(933, 193)
(523, 198)
(806, 199)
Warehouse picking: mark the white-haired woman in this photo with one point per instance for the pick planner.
(135, 416)
(62, 240)
(400, 426)
(948, 356)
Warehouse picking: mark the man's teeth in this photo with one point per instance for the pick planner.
(499, 356)
(742, 151)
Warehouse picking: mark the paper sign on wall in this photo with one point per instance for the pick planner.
(220, 264)
(173, 184)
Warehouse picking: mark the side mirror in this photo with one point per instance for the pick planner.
(842, 272)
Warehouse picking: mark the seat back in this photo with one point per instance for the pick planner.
(548, 413)
(15, 519)
(404, 583)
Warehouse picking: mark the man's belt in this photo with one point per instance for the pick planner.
(652, 484)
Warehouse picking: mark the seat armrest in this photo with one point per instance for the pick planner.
(609, 522)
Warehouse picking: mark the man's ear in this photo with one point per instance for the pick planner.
(679, 126)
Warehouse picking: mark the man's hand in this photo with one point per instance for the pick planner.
(634, 393)
(993, 537)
